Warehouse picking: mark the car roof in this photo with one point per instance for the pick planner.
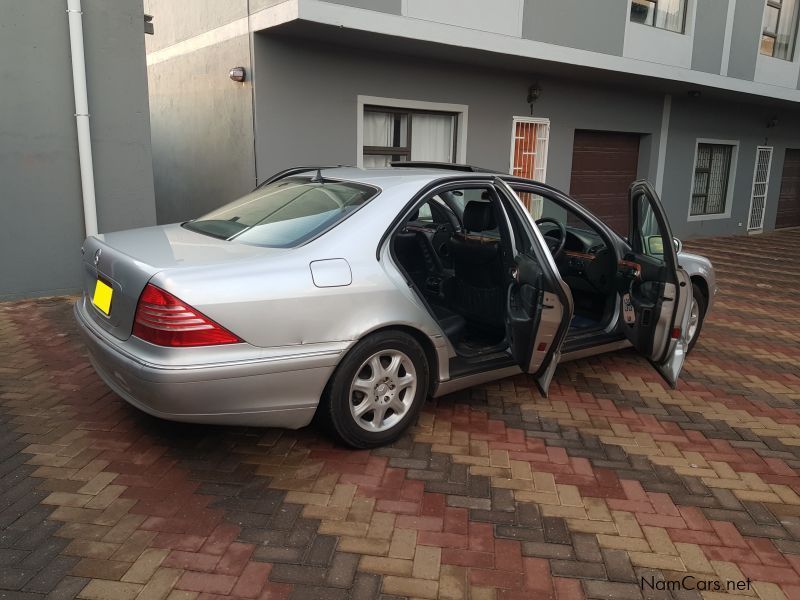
(393, 177)
(409, 174)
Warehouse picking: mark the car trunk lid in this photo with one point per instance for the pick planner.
(126, 260)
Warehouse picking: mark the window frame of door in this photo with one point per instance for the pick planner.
(729, 192)
(461, 112)
(571, 206)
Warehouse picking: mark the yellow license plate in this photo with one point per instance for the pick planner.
(102, 296)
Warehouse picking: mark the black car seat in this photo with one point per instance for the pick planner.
(410, 256)
(415, 254)
(478, 287)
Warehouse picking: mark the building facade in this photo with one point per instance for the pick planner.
(702, 97)
(40, 180)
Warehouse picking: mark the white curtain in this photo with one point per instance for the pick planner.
(785, 34)
(376, 161)
(378, 129)
(671, 15)
(432, 137)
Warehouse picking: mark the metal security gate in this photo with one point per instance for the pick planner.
(529, 141)
(758, 199)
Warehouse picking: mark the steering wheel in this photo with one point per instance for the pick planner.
(556, 246)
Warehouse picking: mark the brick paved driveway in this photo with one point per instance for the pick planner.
(498, 493)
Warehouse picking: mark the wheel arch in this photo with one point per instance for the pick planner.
(419, 336)
(423, 340)
(701, 282)
(326, 412)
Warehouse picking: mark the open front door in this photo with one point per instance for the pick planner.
(656, 291)
(538, 302)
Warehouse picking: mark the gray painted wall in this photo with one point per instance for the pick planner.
(711, 119)
(745, 39)
(388, 6)
(312, 113)
(306, 91)
(709, 35)
(598, 25)
(177, 20)
(202, 126)
(785, 136)
(308, 115)
(257, 5)
(41, 193)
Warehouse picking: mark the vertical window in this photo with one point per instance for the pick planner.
(779, 32)
(401, 135)
(712, 173)
(663, 14)
(529, 155)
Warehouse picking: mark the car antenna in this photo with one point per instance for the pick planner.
(318, 177)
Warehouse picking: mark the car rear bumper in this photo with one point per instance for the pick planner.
(274, 388)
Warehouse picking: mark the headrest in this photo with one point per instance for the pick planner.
(479, 216)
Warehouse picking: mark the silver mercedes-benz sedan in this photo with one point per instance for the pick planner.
(356, 294)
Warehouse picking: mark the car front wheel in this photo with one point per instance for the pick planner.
(377, 390)
(697, 314)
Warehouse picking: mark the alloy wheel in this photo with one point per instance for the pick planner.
(382, 390)
(694, 319)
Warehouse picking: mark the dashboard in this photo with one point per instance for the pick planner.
(578, 240)
(586, 263)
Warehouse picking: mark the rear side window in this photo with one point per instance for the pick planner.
(285, 213)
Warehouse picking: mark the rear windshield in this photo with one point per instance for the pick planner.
(285, 213)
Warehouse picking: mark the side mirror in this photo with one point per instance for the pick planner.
(655, 245)
(678, 244)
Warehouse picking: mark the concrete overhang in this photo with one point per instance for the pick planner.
(334, 23)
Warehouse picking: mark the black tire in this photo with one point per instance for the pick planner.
(702, 305)
(337, 401)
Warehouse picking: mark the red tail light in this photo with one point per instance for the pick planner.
(164, 320)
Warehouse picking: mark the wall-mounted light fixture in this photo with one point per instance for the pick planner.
(695, 93)
(772, 122)
(533, 94)
(238, 74)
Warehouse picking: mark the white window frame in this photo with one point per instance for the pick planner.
(731, 179)
(687, 5)
(536, 121)
(766, 188)
(795, 33)
(460, 110)
(655, 45)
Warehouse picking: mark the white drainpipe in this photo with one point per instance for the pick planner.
(82, 115)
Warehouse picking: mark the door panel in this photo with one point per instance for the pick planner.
(524, 306)
(604, 164)
(539, 303)
(789, 199)
(672, 364)
(659, 292)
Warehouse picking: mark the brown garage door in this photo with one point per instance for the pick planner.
(789, 200)
(604, 164)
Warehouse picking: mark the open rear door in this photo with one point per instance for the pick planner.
(656, 291)
(538, 303)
